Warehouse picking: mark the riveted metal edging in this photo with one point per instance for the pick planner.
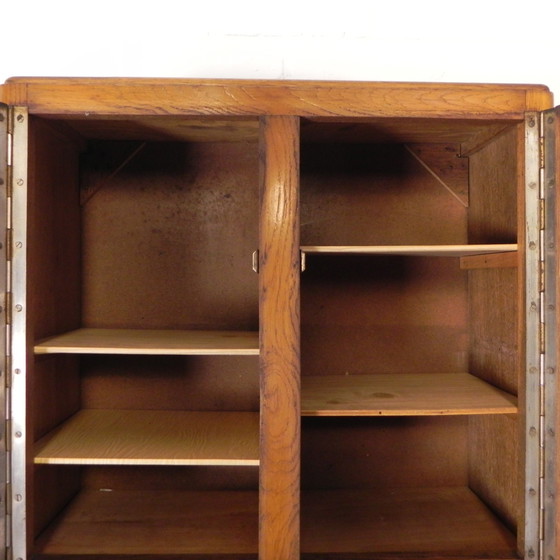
(533, 338)
(4, 174)
(550, 366)
(17, 273)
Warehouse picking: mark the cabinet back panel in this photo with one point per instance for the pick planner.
(168, 240)
(384, 452)
(170, 478)
(374, 194)
(170, 382)
(383, 315)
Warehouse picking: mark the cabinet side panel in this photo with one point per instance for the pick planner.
(279, 269)
(53, 305)
(496, 310)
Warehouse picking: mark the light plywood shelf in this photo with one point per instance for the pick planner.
(405, 522)
(423, 394)
(145, 524)
(152, 437)
(153, 342)
(411, 250)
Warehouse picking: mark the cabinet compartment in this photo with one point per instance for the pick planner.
(143, 321)
(143, 201)
(403, 314)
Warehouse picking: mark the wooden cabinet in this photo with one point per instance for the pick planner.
(279, 320)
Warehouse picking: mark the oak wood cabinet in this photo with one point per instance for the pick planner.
(278, 319)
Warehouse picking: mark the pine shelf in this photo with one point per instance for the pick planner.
(152, 437)
(153, 342)
(422, 394)
(411, 250)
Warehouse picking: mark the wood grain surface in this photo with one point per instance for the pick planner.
(280, 329)
(153, 342)
(152, 437)
(147, 524)
(250, 97)
(404, 523)
(411, 250)
(427, 394)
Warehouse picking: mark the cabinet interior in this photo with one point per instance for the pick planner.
(146, 434)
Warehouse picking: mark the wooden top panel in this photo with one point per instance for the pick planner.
(422, 394)
(151, 342)
(103, 96)
(153, 437)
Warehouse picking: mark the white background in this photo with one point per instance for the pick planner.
(513, 41)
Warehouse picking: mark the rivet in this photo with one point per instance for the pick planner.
(533, 306)
(18, 434)
(550, 432)
(19, 307)
(532, 492)
(532, 432)
(551, 307)
(19, 498)
(550, 370)
(532, 245)
(533, 369)
(20, 182)
(20, 118)
(531, 122)
(550, 120)
(531, 553)
(17, 371)
(19, 244)
(550, 183)
(532, 185)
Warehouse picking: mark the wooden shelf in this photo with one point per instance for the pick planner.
(152, 437)
(154, 342)
(404, 522)
(145, 524)
(442, 522)
(423, 394)
(410, 250)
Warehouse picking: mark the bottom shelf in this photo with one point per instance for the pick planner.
(351, 524)
(145, 524)
(402, 522)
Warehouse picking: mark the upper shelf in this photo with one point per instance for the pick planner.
(154, 342)
(421, 394)
(152, 437)
(412, 250)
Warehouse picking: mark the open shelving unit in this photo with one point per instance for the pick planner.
(185, 385)
(405, 359)
(146, 408)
